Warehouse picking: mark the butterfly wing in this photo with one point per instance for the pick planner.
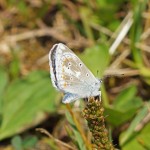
(69, 74)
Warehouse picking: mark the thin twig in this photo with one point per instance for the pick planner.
(56, 140)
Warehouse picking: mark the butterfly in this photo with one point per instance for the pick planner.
(70, 76)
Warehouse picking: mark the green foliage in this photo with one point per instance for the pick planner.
(17, 143)
(98, 14)
(21, 6)
(24, 101)
(3, 84)
(136, 139)
(124, 107)
(20, 144)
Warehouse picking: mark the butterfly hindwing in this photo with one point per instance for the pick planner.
(68, 98)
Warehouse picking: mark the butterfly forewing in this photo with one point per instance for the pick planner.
(68, 73)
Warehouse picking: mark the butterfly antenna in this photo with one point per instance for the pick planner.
(101, 80)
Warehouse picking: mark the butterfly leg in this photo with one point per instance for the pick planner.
(98, 97)
(68, 98)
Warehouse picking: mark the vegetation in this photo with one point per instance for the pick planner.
(111, 37)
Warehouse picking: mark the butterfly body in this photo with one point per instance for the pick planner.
(70, 76)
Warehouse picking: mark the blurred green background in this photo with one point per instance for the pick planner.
(92, 29)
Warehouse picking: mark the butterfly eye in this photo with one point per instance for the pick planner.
(69, 64)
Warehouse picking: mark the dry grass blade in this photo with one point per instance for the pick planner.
(126, 72)
(143, 47)
(122, 31)
(34, 33)
(120, 59)
(145, 121)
